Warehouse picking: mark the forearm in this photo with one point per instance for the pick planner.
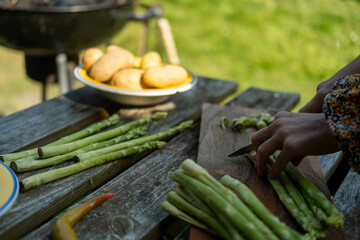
(315, 104)
(351, 68)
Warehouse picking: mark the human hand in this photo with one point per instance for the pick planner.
(297, 135)
(316, 103)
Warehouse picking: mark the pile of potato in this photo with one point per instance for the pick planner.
(119, 67)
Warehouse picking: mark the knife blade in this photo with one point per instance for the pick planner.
(242, 150)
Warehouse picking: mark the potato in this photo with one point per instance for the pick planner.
(137, 62)
(150, 59)
(127, 53)
(90, 56)
(129, 79)
(164, 76)
(111, 62)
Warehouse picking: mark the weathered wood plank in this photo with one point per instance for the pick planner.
(270, 100)
(46, 122)
(347, 201)
(140, 190)
(329, 163)
(40, 204)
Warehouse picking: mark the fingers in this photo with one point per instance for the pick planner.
(296, 161)
(261, 136)
(280, 164)
(264, 151)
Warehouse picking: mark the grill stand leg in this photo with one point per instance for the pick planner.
(63, 76)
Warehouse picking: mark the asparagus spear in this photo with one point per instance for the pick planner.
(199, 173)
(298, 199)
(49, 151)
(290, 205)
(195, 201)
(281, 229)
(171, 209)
(49, 176)
(203, 217)
(112, 120)
(30, 163)
(158, 136)
(318, 212)
(218, 204)
(335, 218)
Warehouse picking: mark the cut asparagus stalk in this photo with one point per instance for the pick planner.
(239, 124)
(30, 163)
(202, 216)
(260, 124)
(112, 120)
(158, 136)
(218, 204)
(224, 121)
(171, 209)
(199, 173)
(278, 227)
(49, 151)
(49, 176)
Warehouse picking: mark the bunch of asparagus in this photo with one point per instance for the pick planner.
(89, 149)
(241, 123)
(211, 205)
(308, 205)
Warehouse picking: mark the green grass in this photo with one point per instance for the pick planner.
(271, 44)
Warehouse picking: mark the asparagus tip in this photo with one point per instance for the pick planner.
(335, 221)
(160, 115)
(159, 144)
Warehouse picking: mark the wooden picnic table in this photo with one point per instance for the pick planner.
(140, 183)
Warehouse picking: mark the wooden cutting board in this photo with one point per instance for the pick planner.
(215, 144)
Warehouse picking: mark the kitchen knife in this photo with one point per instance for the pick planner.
(242, 150)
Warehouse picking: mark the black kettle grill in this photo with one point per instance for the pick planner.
(51, 33)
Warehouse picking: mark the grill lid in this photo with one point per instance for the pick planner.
(60, 5)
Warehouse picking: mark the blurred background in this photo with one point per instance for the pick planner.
(271, 44)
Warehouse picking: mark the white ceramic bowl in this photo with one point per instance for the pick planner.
(134, 98)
